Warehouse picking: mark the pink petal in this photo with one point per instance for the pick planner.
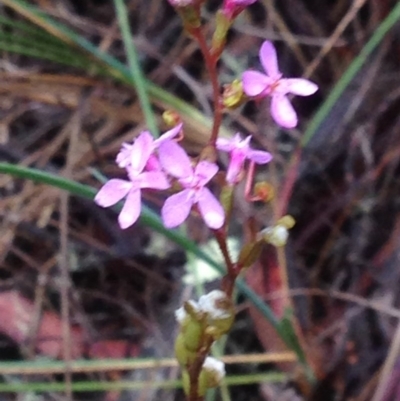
(282, 112)
(300, 86)
(235, 166)
(174, 159)
(131, 209)
(269, 59)
(204, 171)
(172, 133)
(124, 155)
(112, 192)
(141, 151)
(259, 156)
(153, 164)
(154, 179)
(210, 209)
(176, 208)
(224, 144)
(255, 83)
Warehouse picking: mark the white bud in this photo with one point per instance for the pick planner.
(211, 304)
(276, 236)
(214, 367)
(181, 314)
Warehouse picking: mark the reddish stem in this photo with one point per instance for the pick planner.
(211, 65)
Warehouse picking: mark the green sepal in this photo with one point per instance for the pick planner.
(250, 254)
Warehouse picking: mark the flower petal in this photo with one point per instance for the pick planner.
(141, 151)
(300, 86)
(154, 179)
(269, 59)
(112, 192)
(210, 209)
(176, 208)
(174, 159)
(255, 83)
(283, 112)
(131, 209)
(123, 158)
(224, 144)
(235, 165)
(259, 156)
(172, 133)
(204, 171)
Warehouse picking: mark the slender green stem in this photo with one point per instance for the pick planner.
(135, 69)
(350, 73)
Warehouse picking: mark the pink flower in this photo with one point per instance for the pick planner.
(240, 150)
(124, 157)
(257, 84)
(116, 189)
(232, 8)
(178, 206)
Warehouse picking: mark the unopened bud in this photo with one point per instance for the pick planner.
(233, 95)
(219, 310)
(183, 355)
(287, 221)
(171, 118)
(278, 234)
(264, 191)
(189, 11)
(213, 371)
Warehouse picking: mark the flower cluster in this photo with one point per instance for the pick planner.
(158, 163)
(151, 164)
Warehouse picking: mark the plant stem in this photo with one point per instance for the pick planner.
(211, 65)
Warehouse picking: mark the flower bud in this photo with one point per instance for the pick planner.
(219, 310)
(183, 355)
(287, 221)
(278, 234)
(186, 382)
(189, 11)
(171, 118)
(222, 25)
(264, 191)
(212, 373)
(191, 321)
(233, 95)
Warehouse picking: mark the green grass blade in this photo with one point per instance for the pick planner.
(350, 73)
(136, 71)
(86, 386)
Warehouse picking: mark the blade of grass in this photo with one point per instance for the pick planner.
(135, 69)
(22, 45)
(151, 219)
(350, 73)
(86, 386)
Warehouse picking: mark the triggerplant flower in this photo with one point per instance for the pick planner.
(124, 157)
(240, 150)
(116, 189)
(257, 84)
(177, 207)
